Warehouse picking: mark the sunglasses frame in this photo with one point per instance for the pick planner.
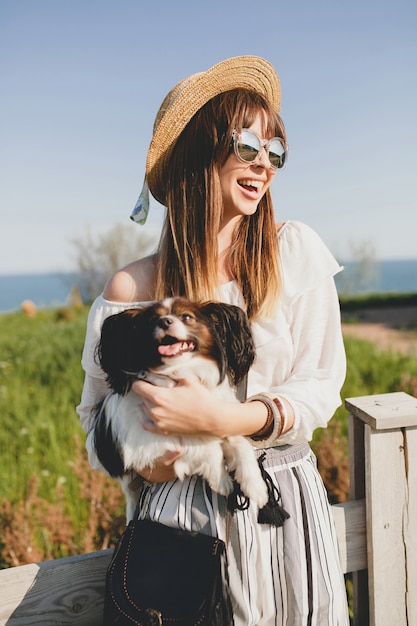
(263, 143)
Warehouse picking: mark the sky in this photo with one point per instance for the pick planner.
(81, 81)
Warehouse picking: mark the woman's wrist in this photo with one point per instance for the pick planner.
(258, 418)
(273, 423)
(265, 431)
(280, 418)
(237, 418)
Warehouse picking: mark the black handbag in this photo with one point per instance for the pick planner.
(161, 575)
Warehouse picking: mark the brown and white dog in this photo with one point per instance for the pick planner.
(162, 343)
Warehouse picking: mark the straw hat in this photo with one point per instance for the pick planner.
(186, 98)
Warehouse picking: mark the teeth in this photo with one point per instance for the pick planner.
(251, 183)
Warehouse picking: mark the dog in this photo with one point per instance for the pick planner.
(161, 343)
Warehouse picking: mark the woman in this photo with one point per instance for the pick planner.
(218, 142)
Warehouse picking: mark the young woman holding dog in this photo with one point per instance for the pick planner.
(218, 144)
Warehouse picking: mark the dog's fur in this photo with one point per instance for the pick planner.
(162, 343)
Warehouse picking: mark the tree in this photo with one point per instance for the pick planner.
(362, 272)
(98, 256)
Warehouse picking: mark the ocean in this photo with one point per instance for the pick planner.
(44, 290)
(398, 276)
(52, 290)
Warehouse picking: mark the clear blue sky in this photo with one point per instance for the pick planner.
(81, 81)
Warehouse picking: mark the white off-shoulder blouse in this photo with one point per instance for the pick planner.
(299, 351)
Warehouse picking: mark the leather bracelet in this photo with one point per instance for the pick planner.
(266, 430)
(282, 409)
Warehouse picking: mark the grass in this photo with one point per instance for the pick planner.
(47, 487)
(51, 503)
(40, 381)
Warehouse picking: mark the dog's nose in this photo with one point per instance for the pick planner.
(165, 322)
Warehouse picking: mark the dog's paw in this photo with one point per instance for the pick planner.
(255, 489)
(223, 486)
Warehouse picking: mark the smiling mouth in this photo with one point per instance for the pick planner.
(173, 347)
(250, 185)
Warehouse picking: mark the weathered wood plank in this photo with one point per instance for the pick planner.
(390, 435)
(410, 523)
(385, 410)
(60, 592)
(350, 522)
(386, 487)
(357, 492)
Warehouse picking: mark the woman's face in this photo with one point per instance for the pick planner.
(244, 184)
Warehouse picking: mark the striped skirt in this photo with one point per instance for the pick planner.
(287, 576)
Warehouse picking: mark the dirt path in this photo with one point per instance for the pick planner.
(387, 328)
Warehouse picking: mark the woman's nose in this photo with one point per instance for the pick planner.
(263, 158)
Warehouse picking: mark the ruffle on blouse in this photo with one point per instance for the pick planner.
(305, 259)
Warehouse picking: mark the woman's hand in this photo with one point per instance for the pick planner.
(190, 408)
(186, 409)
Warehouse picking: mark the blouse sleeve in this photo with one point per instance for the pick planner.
(318, 364)
(319, 368)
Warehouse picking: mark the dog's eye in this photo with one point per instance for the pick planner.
(186, 317)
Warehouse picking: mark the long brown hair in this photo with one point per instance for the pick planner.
(188, 248)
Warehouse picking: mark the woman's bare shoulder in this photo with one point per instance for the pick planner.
(133, 283)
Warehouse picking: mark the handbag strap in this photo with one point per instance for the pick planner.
(242, 389)
(141, 506)
(229, 524)
(241, 394)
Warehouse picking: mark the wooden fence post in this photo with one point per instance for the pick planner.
(387, 424)
(357, 492)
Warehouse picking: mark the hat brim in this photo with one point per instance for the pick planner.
(249, 72)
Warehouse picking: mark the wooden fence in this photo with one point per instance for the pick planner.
(377, 532)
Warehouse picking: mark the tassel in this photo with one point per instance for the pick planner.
(237, 499)
(141, 210)
(272, 513)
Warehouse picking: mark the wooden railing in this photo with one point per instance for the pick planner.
(377, 532)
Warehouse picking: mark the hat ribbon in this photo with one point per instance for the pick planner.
(141, 209)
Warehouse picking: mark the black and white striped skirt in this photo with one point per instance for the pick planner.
(287, 576)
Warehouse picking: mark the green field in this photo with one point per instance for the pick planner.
(51, 503)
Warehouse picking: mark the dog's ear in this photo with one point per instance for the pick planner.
(104, 442)
(231, 325)
(119, 348)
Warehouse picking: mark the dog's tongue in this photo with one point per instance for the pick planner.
(170, 350)
(173, 349)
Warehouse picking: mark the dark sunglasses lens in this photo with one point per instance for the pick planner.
(248, 146)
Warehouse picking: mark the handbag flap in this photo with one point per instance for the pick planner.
(156, 566)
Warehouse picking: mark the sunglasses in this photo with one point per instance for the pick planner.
(247, 146)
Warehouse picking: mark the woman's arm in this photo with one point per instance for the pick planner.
(319, 364)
